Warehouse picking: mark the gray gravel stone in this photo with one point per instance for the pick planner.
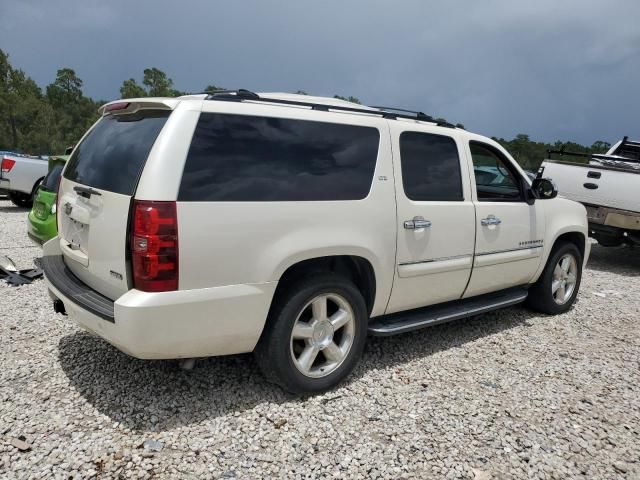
(510, 394)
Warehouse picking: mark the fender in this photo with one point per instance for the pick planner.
(563, 216)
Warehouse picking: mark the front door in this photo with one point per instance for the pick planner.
(510, 232)
(436, 218)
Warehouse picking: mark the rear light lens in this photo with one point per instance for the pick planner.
(154, 246)
(117, 106)
(57, 204)
(6, 165)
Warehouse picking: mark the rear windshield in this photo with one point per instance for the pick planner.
(50, 182)
(113, 155)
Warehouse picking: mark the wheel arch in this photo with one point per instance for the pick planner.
(36, 185)
(356, 268)
(572, 234)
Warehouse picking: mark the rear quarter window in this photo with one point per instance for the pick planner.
(241, 158)
(111, 157)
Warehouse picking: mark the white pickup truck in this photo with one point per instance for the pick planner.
(20, 176)
(607, 186)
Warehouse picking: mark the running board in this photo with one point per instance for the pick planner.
(410, 320)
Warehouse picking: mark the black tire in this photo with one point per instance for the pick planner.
(609, 240)
(22, 200)
(540, 294)
(274, 351)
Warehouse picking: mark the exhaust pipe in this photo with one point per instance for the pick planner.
(58, 307)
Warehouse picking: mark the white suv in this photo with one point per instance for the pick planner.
(293, 226)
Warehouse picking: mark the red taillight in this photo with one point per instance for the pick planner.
(7, 164)
(117, 106)
(58, 199)
(154, 246)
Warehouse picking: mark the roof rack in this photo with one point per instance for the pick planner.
(418, 115)
(242, 95)
(591, 156)
(626, 141)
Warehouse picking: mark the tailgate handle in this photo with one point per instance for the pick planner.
(85, 192)
(593, 174)
(591, 186)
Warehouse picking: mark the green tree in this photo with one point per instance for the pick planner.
(65, 89)
(158, 84)
(20, 103)
(131, 89)
(348, 99)
(213, 88)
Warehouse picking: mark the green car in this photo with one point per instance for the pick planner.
(41, 224)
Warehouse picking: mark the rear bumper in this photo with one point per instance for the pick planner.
(41, 231)
(612, 217)
(180, 324)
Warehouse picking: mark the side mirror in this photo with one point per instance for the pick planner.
(544, 189)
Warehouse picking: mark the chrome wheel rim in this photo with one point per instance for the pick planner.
(565, 276)
(322, 335)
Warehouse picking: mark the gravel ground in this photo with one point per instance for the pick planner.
(506, 395)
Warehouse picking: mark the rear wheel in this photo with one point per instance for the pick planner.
(20, 199)
(609, 240)
(557, 288)
(315, 334)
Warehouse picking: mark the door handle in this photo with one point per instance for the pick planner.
(417, 223)
(490, 220)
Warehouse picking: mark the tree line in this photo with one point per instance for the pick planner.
(46, 121)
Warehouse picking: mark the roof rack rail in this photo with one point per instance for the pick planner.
(419, 115)
(242, 95)
(591, 156)
(626, 141)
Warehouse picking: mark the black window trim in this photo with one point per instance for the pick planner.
(514, 171)
(461, 198)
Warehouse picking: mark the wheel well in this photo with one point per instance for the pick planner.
(356, 269)
(36, 185)
(576, 238)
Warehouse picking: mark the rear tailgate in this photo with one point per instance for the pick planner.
(96, 193)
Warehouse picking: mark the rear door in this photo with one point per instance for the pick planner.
(436, 217)
(96, 191)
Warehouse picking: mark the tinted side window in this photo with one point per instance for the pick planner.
(430, 167)
(496, 179)
(113, 155)
(241, 158)
(50, 182)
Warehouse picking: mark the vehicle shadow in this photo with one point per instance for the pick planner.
(158, 395)
(623, 260)
(14, 209)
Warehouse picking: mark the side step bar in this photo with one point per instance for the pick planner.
(446, 312)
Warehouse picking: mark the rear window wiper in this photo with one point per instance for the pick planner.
(85, 192)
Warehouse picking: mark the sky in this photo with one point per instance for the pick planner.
(553, 69)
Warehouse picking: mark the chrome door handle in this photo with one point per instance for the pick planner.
(490, 220)
(417, 223)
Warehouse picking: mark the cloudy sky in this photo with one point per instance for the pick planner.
(554, 69)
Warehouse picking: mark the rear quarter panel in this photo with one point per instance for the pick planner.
(227, 243)
(25, 173)
(615, 188)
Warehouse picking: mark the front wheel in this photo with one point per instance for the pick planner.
(557, 288)
(315, 334)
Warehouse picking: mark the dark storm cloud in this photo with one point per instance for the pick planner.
(556, 70)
